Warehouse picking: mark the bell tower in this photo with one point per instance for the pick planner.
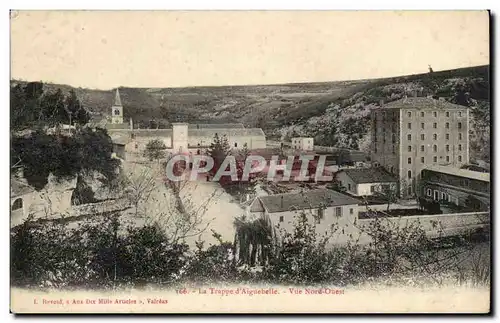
(117, 109)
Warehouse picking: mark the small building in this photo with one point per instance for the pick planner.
(323, 207)
(462, 187)
(366, 181)
(303, 143)
(53, 199)
(119, 143)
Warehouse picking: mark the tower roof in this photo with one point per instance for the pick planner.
(118, 101)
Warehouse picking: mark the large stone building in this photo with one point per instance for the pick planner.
(182, 137)
(409, 134)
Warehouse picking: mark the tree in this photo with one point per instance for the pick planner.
(388, 192)
(252, 240)
(155, 150)
(219, 149)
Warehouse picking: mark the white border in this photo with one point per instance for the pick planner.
(198, 5)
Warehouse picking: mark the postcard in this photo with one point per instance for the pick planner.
(250, 162)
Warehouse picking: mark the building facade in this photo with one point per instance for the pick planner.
(412, 133)
(461, 187)
(181, 137)
(303, 143)
(366, 181)
(324, 208)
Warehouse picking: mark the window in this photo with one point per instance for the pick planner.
(435, 148)
(409, 125)
(349, 186)
(429, 192)
(422, 125)
(447, 159)
(422, 148)
(338, 212)
(459, 159)
(459, 125)
(447, 125)
(435, 159)
(281, 218)
(136, 145)
(435, 114)
(393, 149)
(447, 114)
(409, 137)
(235, 144)
(409, 190)
(460, 147)
(372, 189)
(435, 136)
(117, 112)
(132, 135)
(18, 204)
(447, 147)
(459, 136)
(409, 148)
(409, 174)
(435, 125)
(409, 160)
(422, 137)
(422, 160)
(460, 114)
(409, 114)
(447, 136)
(351, 211)
(422, 114)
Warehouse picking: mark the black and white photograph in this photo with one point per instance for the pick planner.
(250, 161)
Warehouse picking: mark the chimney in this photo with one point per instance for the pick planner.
(281, 201)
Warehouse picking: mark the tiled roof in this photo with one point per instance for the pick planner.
(480, 176)
(422, 103)
(308, 200)
(369, 175)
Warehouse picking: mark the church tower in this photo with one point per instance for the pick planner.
(117, 109)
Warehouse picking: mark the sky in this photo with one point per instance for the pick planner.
(107, 49)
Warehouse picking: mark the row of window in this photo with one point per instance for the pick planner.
(435, 148)
(435, 114)
(434, 159)
(321, 214)
(435, 136)
(435, 125)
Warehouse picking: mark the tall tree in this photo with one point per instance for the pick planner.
(219, 150)
(155, 150)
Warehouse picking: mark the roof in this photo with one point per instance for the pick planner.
(231, 132)
(369, 175)
(18, 188)
(120, 138)
(465, 173)
(118, 100)
(422, 103)
(215, 125)
(111, 126)
(307, 200)
(234, 132)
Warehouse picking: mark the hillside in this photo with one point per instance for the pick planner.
(334, 113)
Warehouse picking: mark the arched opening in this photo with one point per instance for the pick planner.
(18, 204)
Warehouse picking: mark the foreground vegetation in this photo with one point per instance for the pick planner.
(102, 254)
